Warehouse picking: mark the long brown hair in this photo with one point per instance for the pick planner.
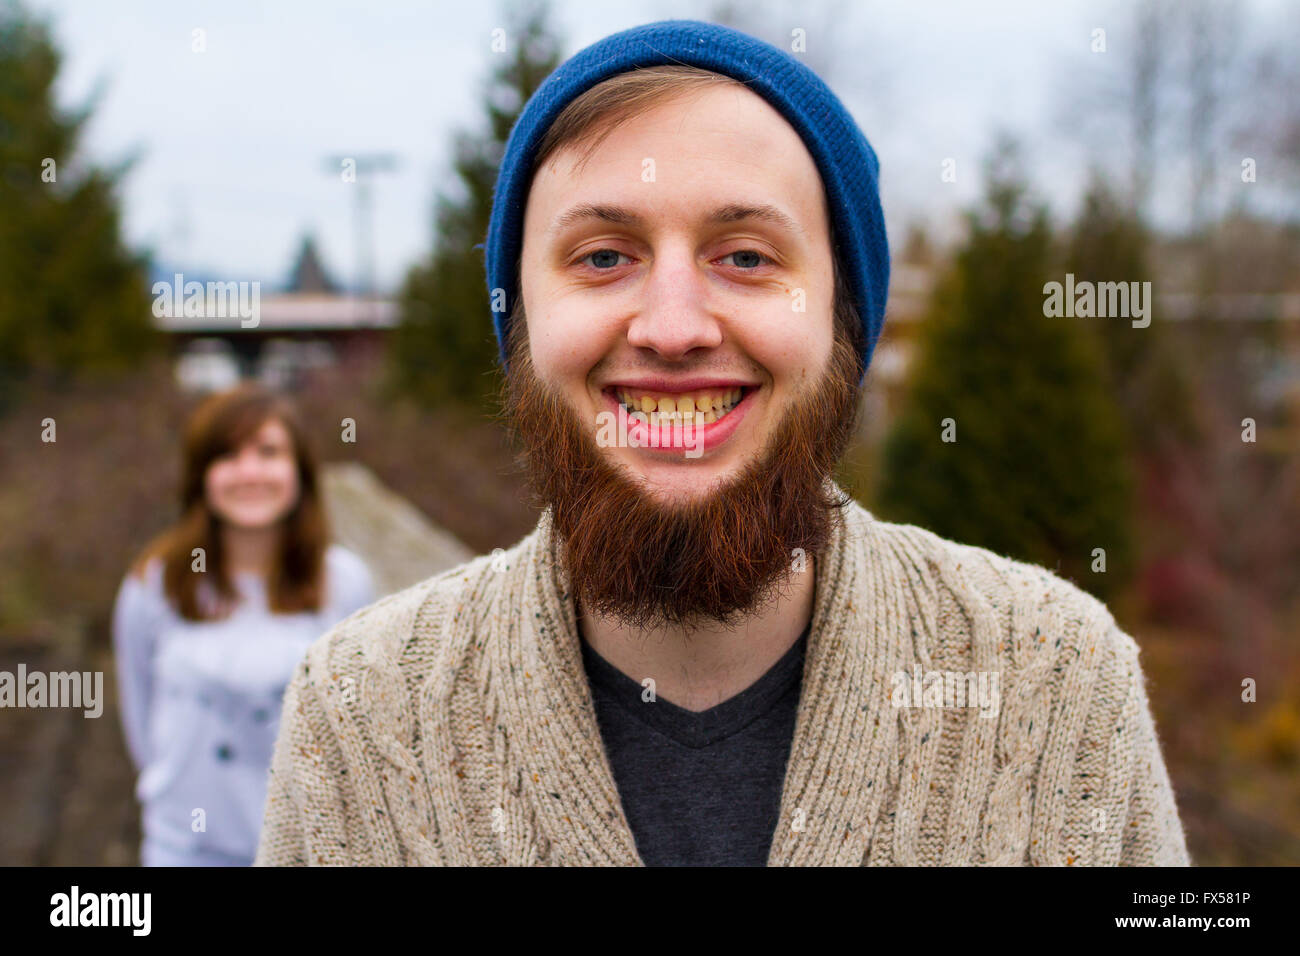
(220, 424)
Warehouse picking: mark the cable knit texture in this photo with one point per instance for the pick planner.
(451, 723)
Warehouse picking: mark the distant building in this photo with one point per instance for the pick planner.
(311, 324)
(910, 287)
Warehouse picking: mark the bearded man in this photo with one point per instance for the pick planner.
(706, 653)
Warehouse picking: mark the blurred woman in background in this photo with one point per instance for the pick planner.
(211, 620)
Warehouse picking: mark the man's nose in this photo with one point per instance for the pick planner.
(676, 315)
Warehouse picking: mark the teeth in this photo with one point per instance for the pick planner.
(702, 408)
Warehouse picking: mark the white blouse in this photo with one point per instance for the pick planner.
(200, 702)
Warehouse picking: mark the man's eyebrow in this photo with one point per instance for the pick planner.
(621, 216)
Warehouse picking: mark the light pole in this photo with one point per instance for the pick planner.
(356, 169)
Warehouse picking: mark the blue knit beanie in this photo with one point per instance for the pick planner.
(847, 163)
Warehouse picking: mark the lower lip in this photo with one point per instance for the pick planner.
(674, 441)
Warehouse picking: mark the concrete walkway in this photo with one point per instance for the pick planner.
(395, 539)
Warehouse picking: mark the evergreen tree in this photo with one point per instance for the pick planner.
(1109, 243)
(444, 348)
(72, 297)
(1035, 466)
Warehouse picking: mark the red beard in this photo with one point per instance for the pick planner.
(653, 564)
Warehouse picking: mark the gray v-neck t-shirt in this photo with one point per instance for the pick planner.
(699, 788)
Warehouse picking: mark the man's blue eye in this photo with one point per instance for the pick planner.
(604, 258)
(751, 259)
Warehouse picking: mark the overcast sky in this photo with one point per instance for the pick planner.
(233, 141)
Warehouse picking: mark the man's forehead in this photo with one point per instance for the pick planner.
(719, 137)
(720, 214)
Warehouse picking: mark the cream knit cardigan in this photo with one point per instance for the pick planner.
(451, 723)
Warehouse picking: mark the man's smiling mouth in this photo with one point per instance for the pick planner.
(700, 407)
(691, 422)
